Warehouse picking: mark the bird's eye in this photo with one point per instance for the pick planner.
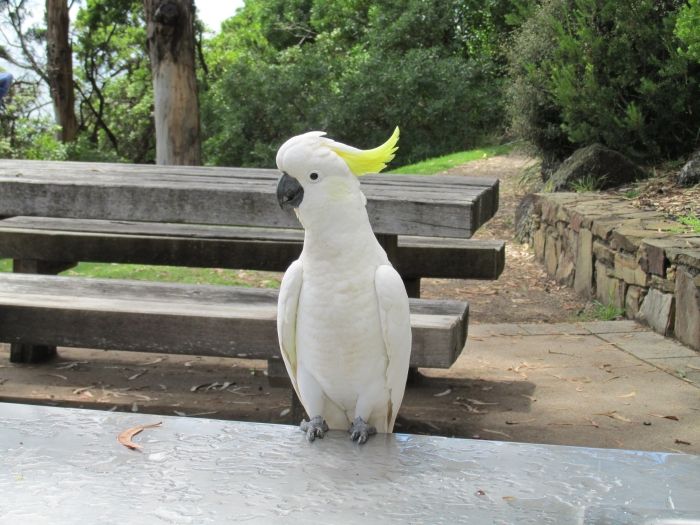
(313, 176)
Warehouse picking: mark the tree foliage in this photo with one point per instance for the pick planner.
(605, 71)
(355, 68)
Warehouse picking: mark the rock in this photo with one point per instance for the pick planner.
(632, 299)
(690, 172)
(608, 168)
(524, 228)
(583, 278)
(658, 311)
(609, 291)
(687, 326)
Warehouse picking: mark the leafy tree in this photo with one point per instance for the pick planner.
(688, 29)
(114, 82)
(355, 68)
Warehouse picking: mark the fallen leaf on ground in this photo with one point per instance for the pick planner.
(672, 418)
(154, 361)
(125, 437)
(285, 412)
(477, 402)
(497, 432)
(59, 376)
(531, 398)
(137, 375)
(520, 422)
(470, 409)
(614, 415)
(71, 365)
(682, 442)
(593, 423)
(631, 394)
(82, 390)
(441, 394)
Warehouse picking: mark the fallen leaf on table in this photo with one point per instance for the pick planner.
(672, 418)
(125, 437)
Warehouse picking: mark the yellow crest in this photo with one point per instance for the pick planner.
(366, 161)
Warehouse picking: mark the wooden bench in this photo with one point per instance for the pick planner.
(56, 214)
(222, 321)
(50, 245)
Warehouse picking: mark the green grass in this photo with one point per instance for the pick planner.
(172, 274)
(691, 220)
(586, 184)
(601, 312)
(438, 164)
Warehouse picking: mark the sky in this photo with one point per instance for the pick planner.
(212, 13)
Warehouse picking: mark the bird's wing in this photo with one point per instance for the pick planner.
(287, 318)
(395, 321)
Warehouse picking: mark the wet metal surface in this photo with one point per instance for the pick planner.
(63, 466)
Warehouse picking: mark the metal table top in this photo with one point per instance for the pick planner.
(63, 465)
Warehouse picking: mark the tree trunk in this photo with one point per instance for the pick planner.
(60, 68)
(171, 49)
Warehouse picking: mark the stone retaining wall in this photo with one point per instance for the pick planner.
(634, 259)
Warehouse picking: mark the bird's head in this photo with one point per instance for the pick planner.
(318, 172)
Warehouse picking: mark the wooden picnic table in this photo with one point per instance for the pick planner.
(442, 206)
(55, 214)
(64, 465)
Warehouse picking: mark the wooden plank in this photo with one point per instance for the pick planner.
(412, 205)
(184, 319)
(225, 247)
(450, 258)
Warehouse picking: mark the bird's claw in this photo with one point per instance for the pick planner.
(316, 428)
(360, 430)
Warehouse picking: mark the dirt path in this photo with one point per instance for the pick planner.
(523, 292)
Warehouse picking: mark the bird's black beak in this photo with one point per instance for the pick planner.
(289, 192)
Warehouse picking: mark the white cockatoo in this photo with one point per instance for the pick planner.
(343, 317)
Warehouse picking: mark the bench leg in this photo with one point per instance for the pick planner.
(26, 353)
(412, 287)
(23, 352)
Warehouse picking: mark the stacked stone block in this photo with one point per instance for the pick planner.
(611, 251)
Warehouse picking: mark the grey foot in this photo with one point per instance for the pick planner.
(316, 428)
(360, 431)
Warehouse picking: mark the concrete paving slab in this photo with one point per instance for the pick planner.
(486, 330)
(578, 389)
(648, 345)
(555, 328)
(687, 368)
(612, 327)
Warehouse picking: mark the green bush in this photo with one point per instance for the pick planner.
(607, 71)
